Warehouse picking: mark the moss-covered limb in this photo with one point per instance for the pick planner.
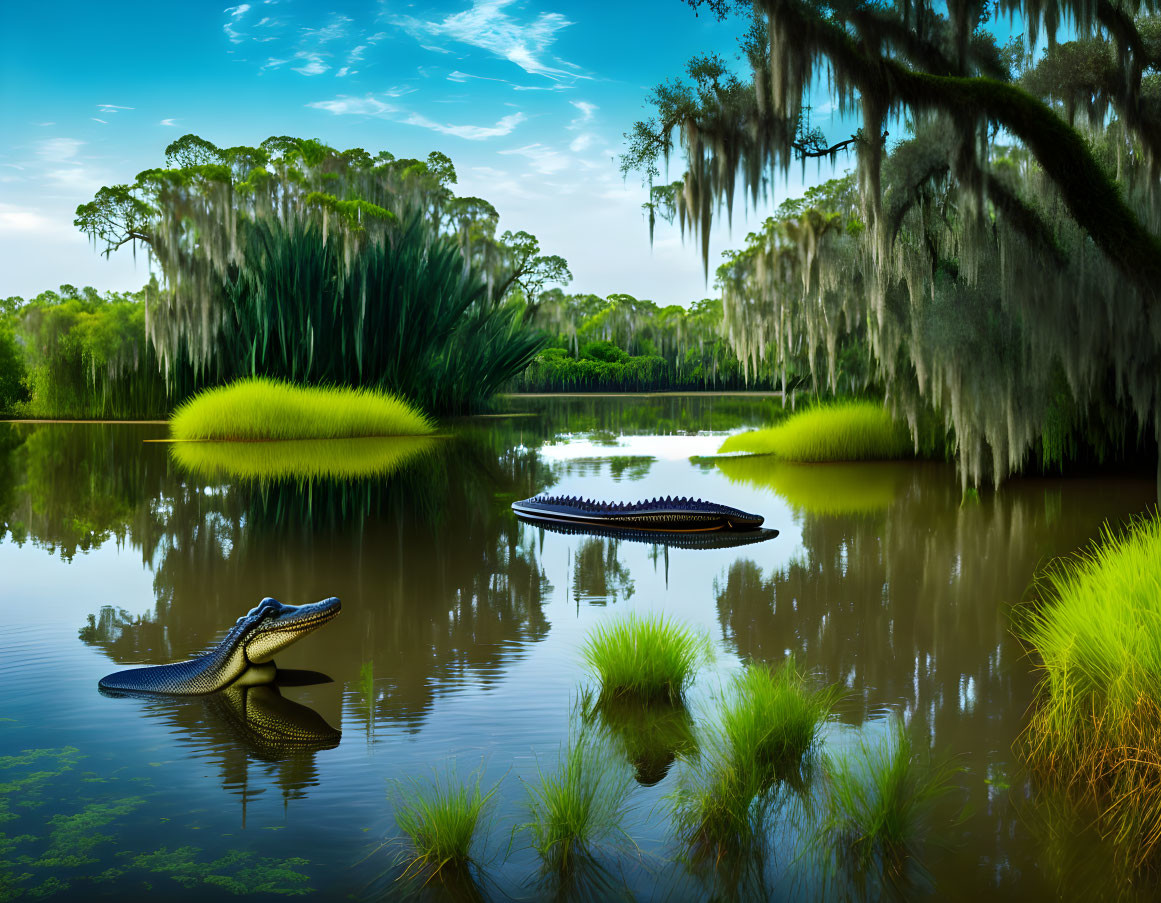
(1093, 198)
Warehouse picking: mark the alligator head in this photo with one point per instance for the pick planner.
(244, 654)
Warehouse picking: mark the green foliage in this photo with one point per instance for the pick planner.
(13, 376)
(767, 729)
(85, 355)
(840, 431)
(1097, 725)
(580, 804)
(441, 819)
(299, 261)
(649, 658)
(880, 801)
(269, 409)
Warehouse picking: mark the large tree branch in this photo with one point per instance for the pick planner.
(1093, 199)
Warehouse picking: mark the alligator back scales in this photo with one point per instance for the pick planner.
(675, 515)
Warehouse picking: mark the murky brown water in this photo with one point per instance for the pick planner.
(459, 642)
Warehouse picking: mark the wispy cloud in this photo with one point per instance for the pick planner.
(544, 159)
(24, 220)
(102, 121)
(358, 106)
(488, 26)
(234, 16)
(168, 122)
(585, 140)
(312, 63)
(470, 132)
(111, 108)
(463, 77)
(378, 107)
(59, 150)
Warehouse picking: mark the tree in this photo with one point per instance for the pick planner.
(1019, 222)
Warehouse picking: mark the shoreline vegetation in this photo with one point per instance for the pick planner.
(1096, 728)
(260, 408)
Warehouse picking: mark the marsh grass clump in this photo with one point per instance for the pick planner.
(261, 408)
(1097, 726)
(880, 800)
(767, 727)
(301, 460)
(442, 820)
(579, 805)
(648, 658)
(839, 431)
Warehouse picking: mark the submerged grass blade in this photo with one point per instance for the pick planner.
(580, 804)
(768, 725)
(649, 658)
(880, 800)
(260, 408)
(840, 431)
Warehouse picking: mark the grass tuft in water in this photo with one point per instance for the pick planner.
(441, 819)
(579, 805)
(840, 431)
(648, 658)
(261, 408)
(1097, 726)
(880, 800)
(768, 726)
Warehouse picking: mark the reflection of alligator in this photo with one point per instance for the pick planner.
(243, 657)
(268, 724)
(720, 540)
(662, 515)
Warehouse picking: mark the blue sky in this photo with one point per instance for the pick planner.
(529, 99)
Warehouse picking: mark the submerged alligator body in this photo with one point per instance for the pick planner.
(242, 658)
(662, 515)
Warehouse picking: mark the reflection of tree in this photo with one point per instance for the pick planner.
(908, 609)
(599, 575)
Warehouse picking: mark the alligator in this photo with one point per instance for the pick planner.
(242, 658)
(718, 539)
(667, 515)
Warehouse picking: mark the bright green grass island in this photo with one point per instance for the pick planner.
(262, 409)
(841, 431)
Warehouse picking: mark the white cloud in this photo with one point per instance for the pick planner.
(95, 119)
(337, 28)
(487, 25)
(545, 160)
(111, 108)
(58, 150)
(469, 132)
(461, 77)
(234, 18)
(586, 113)
(313, 63)
(582, 142)
(344, 72)
(168, 122)
(364, 106)
(23, 220)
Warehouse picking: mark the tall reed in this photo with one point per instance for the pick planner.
(1096, 728)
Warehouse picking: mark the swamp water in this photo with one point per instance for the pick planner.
(459, 642)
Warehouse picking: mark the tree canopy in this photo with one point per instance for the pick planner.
(1007, 250)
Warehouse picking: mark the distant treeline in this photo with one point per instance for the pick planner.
(621, 343)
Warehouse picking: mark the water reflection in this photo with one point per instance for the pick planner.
(908, 610)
